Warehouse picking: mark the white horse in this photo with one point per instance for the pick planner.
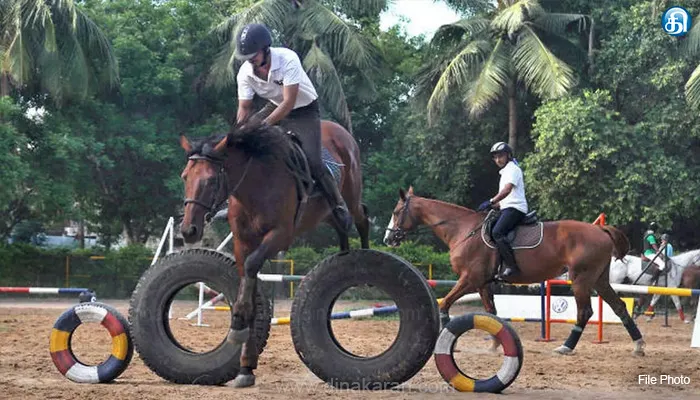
(630, 267)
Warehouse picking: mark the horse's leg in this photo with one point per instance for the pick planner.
(582, 294)
(249, 358)
(618, 306)
(490, 306)
(343, 240)
(243, 309)
(362, 224)
(463, 285)
(679, 307)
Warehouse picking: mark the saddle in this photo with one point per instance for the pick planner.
(653, 270)
(298, 165)
(526, 235)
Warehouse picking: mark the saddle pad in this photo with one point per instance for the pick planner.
(332, 164)
(526, 236)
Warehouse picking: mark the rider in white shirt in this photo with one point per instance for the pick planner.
(276, 74)
(512, 202)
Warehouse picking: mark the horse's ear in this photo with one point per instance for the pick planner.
(410, 190)
(185, 143)
(402, 194)
(221, 146)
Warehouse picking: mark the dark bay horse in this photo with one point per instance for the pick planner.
(585, 248)
(252, 170)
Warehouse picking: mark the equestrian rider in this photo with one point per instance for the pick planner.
(512, 202)
(276, 74)
(651, 248)
(666, 254)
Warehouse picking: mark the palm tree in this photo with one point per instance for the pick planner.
(484, 59)
(318, 31)
(54, 42)
(691, 47)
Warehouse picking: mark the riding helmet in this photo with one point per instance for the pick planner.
(251, 39)
(653, 226)
(501, 147)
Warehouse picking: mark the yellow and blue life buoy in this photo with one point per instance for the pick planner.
(512, 351)
(62, 354)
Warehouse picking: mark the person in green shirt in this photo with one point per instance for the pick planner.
(651, 247)
(666, 258)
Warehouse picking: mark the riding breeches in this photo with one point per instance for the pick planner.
(305, 122)
(509, 219)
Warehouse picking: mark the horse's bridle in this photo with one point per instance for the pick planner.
(400, 233)
(221, 183)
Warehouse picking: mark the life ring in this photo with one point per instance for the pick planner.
(512, 351)
(60, 343)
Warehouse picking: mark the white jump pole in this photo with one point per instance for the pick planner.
(228, 239)
(201, 305)
(199, 310)
(695, 341)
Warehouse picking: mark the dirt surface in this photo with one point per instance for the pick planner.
(596, 371)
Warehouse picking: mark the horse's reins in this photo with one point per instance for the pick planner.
(221, 183)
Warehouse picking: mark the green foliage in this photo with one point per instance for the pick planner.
(480, 60)
(578, 144)
(587, 160)
(53, 47)
(114, 276)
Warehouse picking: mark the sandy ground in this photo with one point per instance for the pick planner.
(596, 371)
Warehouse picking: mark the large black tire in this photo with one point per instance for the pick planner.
(148, 316)
(313, 337)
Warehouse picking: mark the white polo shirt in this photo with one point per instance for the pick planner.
(285, 69)
(511, 173)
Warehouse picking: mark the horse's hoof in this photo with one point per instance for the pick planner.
(687, 321)
(564, 350)
(639, 348)
(238, 336)
(242, 381)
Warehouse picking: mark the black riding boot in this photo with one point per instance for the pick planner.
(336, 201)
(510, 268)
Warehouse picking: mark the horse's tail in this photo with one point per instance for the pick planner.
(621, 245)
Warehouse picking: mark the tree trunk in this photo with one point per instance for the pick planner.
(4, 85)
(591, 37)
(128, 232)
(82, 233)
(512, 118)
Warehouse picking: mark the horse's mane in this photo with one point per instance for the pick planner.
(450, 205)
(262, 143)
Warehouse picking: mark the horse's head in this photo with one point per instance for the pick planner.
(402, 219)
(205, 185)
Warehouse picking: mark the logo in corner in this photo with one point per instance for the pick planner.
(676, 21)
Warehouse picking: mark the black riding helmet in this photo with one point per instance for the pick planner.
(251, 39)
(502, 147)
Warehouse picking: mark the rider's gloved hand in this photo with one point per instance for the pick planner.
(484, 206)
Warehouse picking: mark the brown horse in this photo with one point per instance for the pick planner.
(585, 248)
(252, 170)
(690, 279)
